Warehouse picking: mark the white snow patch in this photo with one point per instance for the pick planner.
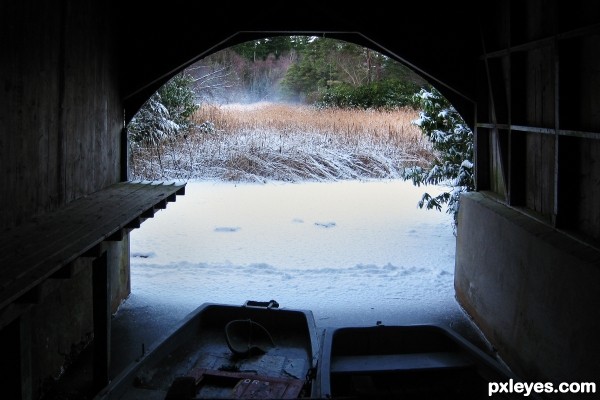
(325, 224)
(227, 229)
(385, 259)
(149, 254)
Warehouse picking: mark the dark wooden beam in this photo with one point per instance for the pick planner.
(134, 224)
(149, 213)
(66, 272)
(26, 370)
(117, 236)
(12, 312)
(162, 204)
(36, 250)
(95, 251)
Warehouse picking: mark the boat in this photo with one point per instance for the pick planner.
(261, 351)
(404, 362)
(257, 350)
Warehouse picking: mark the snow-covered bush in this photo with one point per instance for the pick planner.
(452, 142)
(166, 114)
(206, 127)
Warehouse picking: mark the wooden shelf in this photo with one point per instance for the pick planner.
(33, 252)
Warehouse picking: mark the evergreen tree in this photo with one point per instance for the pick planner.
(312, 72)
(452, 142)
(166, 114)
(335, 73)
(275, 46)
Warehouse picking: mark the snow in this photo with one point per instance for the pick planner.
(353, 252)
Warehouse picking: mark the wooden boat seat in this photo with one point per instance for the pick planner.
(398, 362)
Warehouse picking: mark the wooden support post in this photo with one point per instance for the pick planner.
(149, 213)
(10, 362)
(26, 362)
(117, 236)
(162, 204)
(15, 362)
(134, 224)
(102, 319)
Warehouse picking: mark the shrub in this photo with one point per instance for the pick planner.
(166, 114)
(452, 142)
(388, 94)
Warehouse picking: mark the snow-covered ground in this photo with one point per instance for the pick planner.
(353, 252)
(348, 248)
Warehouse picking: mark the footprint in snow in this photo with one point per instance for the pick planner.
(325, 224)
(227, 229)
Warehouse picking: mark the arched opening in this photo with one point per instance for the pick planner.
(354, 252)
(67, 92)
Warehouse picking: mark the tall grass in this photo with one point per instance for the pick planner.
(289, 142)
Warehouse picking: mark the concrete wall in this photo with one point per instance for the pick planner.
(532, 289)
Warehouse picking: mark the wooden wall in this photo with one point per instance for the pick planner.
(61, 115)
(60, 138)
(528, 245)
(538, 111)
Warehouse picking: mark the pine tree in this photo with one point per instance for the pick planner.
(166, 114)
(452, 142)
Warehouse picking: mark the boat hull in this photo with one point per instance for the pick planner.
(408, 362)
(197, 357)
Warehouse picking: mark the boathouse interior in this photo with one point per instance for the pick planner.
(525, 75)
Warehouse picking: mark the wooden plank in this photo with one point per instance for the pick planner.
(34, 251)
(245, 384)
(11, 312)
(29, 243)
(74, 219)
(66, 272)
(398, 362)
(76, 229)
(53, 220)
(25, 347)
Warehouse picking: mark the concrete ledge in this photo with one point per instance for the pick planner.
(532, 290)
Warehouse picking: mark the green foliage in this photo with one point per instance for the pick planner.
(166, 114)
(261, 49)
(334, 73)
(178, 98)
(452, 142)
(311, 72)
(387, 94)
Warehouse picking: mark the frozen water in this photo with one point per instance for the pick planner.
(348, 250)
(352, 252)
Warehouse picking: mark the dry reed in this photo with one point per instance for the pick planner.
(274, 141)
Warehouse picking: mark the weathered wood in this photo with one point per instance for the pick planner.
(134, 224)
(588, 197)
(66, 225)
(26, 372)
(66, 272)
(34, 251)
(94, 252)
(399, 362)
(11, 312)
